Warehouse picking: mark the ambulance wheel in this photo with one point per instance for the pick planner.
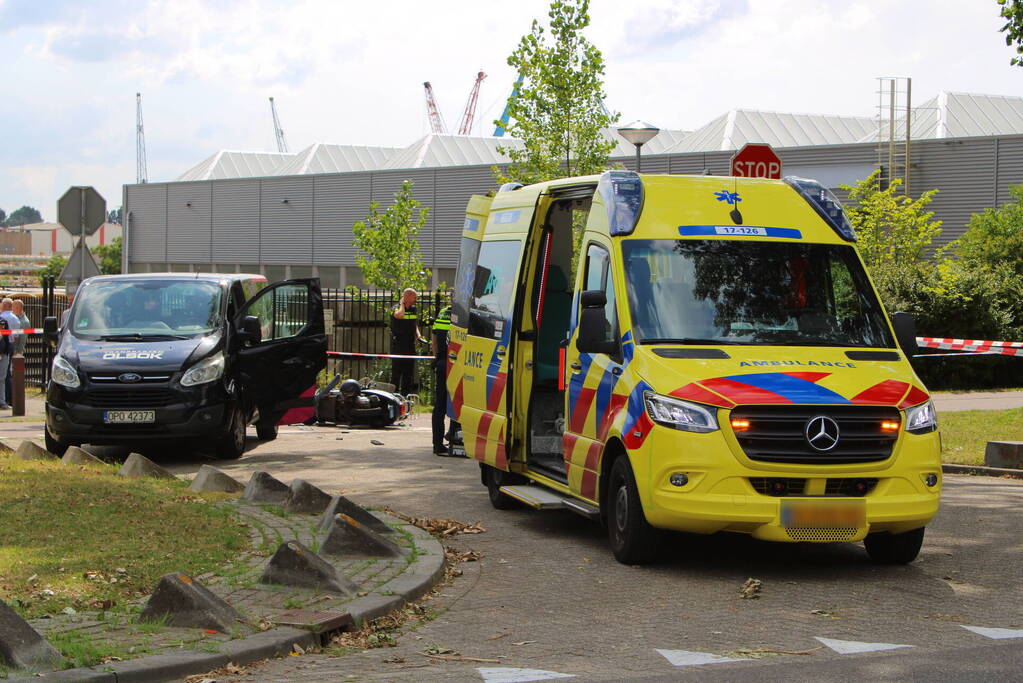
(232, 444)
(494, 479)
(633, 540)
(266, 432)
(888, 548)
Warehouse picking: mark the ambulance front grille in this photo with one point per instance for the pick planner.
(821, 534)
(777, 434)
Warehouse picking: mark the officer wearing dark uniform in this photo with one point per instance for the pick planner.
(404, 334)
(439, 342)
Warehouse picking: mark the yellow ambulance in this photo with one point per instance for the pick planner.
(689, 353)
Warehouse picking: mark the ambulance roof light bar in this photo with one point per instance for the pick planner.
(622, 192)
(825, 203)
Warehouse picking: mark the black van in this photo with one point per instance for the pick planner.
(191, 357)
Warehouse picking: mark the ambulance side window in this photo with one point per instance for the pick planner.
(493, 288)
(598, 276)
(464, 279)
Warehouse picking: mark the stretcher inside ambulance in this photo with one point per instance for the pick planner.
(695, 354)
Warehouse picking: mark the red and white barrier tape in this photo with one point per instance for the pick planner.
(974, 347)
(347, 354)
(27, 330)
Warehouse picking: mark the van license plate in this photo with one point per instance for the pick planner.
(826, 514)
(129, 416)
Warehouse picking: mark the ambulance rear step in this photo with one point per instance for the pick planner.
(545, 499)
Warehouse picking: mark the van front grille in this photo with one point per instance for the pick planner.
(777, 434)
(129, 398)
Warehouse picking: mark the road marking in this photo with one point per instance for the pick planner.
(503, 674)
(996, 633)
(851, 647)
(688, 658)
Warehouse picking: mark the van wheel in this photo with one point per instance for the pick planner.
(232, 445)
(55, 446)
(266, 432)
(633, 540)
(888, 548)
(494, 479)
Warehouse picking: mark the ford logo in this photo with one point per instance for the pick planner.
(129, 377)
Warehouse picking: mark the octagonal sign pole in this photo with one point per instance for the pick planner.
(81, 210)
(756, 160)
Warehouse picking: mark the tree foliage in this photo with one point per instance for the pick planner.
(388, 239)
(557, 112)
(23, 216)
(109, 257)
(114, 216)
(52, 267)
(1012, 12)
(3, 216)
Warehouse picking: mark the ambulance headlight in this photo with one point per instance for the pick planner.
(64, 374)
(206, 370)
(921, 419)
(677, 414)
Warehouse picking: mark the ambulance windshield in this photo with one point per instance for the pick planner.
(751, 292)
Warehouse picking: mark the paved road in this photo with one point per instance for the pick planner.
(548, 594)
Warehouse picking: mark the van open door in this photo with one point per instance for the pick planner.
(283, 346)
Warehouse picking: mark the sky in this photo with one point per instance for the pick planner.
(352, 73)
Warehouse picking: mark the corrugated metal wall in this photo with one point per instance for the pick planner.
(247, 221)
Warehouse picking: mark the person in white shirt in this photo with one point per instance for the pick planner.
(7, 348)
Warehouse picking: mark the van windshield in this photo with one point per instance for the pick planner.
(751, 292)
(127, 310)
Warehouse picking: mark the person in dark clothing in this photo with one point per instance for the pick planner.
(439, 344)
(404, 335)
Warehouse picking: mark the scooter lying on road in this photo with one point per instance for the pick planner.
(351, 402)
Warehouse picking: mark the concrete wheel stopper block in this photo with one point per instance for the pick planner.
(341, 505)
(209, 478)
(305, 499)
(296, 565)
(186, 602)
(350, 538)
(76, 456)
(21, 647)
(30, 450)
(263, 488)
(140, 466)
(1008, 454)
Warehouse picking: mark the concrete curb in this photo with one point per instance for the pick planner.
(982, 470)
(417, 579)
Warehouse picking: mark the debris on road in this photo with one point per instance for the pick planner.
(750, 590)
(440, 527)
(376, 442)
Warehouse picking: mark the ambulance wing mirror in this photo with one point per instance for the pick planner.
(593, 325)
(905, 333)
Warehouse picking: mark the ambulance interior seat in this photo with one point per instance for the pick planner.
(557, 309)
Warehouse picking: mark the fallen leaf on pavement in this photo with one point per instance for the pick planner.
(524, 642)
(750, 590)
(376, 443)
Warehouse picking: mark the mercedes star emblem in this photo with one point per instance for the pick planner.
(821, 433)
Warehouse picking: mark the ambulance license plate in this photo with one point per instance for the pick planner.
(796, 514)
(129, 416)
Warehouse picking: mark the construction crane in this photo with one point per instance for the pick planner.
(141, 172)
(436, 122)
(506, 114)
(282, 144)
(470, 106)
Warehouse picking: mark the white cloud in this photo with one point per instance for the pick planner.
(353, 72)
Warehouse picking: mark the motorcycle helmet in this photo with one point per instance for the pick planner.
(350, 387)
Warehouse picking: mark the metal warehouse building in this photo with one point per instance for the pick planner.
(291, 215)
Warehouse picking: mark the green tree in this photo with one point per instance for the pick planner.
(389, 240)
(3, 217)
(114, 216)
(52, 267)
(557, 112)
(109, 257)
(1012, 12)
(24, 216)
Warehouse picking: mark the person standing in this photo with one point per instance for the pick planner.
(6, 346)
(22, 339)
(404, 335)
(439, 346)
(13, 339)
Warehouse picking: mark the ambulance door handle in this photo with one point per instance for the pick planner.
(576, 366)
(500, 351)
(453, 356)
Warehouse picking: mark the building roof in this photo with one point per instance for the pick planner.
(327, 158)
(959, 115)
(236, 164)
(734, 129)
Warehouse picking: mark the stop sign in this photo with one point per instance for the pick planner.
(756, 161)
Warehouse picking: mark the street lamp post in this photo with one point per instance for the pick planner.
(639, 133)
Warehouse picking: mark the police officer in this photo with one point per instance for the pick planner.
(439, 346)
(404, 334)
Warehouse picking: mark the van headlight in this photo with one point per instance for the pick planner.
(678, 414)
(921, 419)
(64, 374)
(206, 370)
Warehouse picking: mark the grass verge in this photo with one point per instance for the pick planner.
(964, 434)
(85, 538)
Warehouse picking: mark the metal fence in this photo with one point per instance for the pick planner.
(38, 353)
